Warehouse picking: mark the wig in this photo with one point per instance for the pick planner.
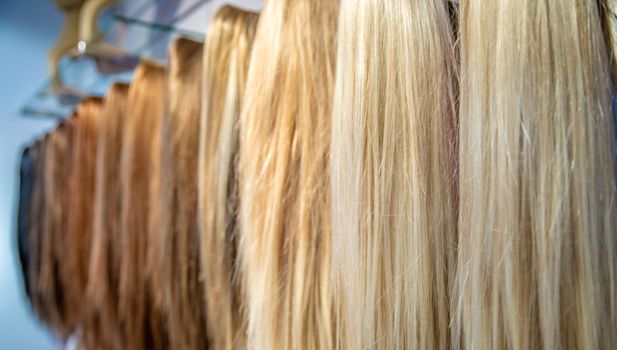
(393, 177)
(537, 178)
(139, 302)
(54, 228)
(69, 309)
(284, 243)
(26, 174)
(80, 204)
(104, 265)
(178, 240)
(226, 62)
(36, 220)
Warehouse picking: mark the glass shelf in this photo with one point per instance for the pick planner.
(130, 31)
(79, 78)
(91, 68)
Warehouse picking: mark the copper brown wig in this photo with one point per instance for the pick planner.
(80, 203)
(61, 240)
(54, 228)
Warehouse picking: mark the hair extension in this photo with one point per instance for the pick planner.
(393, 159)
(610, 28)
(36, 220)
(179, 259)
(226, 63)
(54, 226)
(104, 264)
(139, 169)
(61, 243)
(283, 171)
(26, 177)
(537, 248)
(81, 186)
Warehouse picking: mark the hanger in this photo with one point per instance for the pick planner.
(69, 36)
(88, 31)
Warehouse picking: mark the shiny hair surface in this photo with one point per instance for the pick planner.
(104, 265)
(55, 171)
(139, 298)
(80, 204)
(284, 243)
(537, 255)
(393, 177)
(178, 244)
(226, 61)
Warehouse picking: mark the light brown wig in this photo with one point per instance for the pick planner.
(537, 178)
(61, 239)
(80, 204)
(284, 243)
(178, 240)
(139, 171)
(102, 292)
(226, 62)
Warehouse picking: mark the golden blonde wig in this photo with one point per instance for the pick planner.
(226, 62)
(284, 243)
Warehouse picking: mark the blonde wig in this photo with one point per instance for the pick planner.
(226, 62)
(537, 178)
(80, 204)
(139, 172)
(610, 29)
(178, 240)
(283, 177)
(102, 292)
(393, 157)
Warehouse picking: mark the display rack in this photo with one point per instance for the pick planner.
(91, 68)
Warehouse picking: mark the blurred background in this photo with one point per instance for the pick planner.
(28, 28)
(33, 100)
